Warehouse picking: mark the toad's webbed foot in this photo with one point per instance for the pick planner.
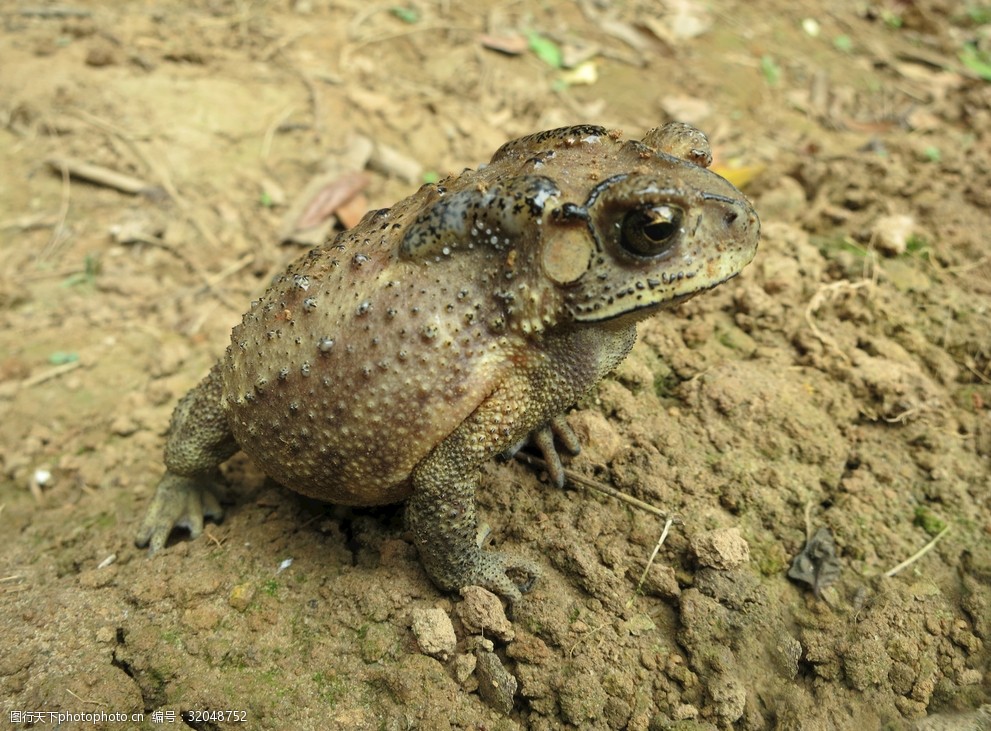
(545, 439)
(505, 574)
(179, 502)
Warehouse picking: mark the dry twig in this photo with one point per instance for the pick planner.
(579, 479)
(918, 554)
(47, 375)
(98, 175)
(650, 561)
(83, 700)
(58, 232)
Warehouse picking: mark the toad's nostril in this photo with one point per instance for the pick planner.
(729, 218)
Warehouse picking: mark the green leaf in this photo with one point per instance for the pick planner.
(916, 245)
(61, 357)
(979, 15)
(407, 15)
(843, 43)
(545, 49)
(976, 60)
(770, 69)
(929, 521)
(891, 19)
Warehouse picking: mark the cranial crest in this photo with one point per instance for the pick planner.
(492, 218)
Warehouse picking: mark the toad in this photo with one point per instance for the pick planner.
(389, 363)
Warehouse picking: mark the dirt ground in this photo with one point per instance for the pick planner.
(842, 381)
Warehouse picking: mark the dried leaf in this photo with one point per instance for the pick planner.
(625, 33)
(351, 212)
(330, 197)
(738, 176)
(574, 55)
(817, 565)
(310, 215)
(584, 74)
(513, 45)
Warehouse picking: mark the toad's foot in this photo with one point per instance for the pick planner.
(505, 574)
(543, 438)
(179, 502)
(453, 563)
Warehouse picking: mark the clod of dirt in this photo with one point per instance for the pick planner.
(463, 667)
(496, 685)
(600, 439)
(102, 54)
(482, 612)
(529, 649)
(729, 697)
(434, 632)
(583, 700)
(723, 548)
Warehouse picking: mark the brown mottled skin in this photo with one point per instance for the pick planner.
(387, 364)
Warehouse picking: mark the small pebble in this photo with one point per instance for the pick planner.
(124, 425)
(241, 596)
(890, 234)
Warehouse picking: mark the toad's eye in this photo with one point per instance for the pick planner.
(650, 232)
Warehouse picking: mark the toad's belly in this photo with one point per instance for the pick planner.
(350, 438)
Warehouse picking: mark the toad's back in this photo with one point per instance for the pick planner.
(355, 364)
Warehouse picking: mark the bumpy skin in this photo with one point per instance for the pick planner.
(389, 363)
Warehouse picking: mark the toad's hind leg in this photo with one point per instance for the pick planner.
(199, 440)
(441, 511)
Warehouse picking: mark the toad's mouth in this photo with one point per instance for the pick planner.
(645, 310)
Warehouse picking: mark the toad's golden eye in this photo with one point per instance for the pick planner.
(650, 232)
